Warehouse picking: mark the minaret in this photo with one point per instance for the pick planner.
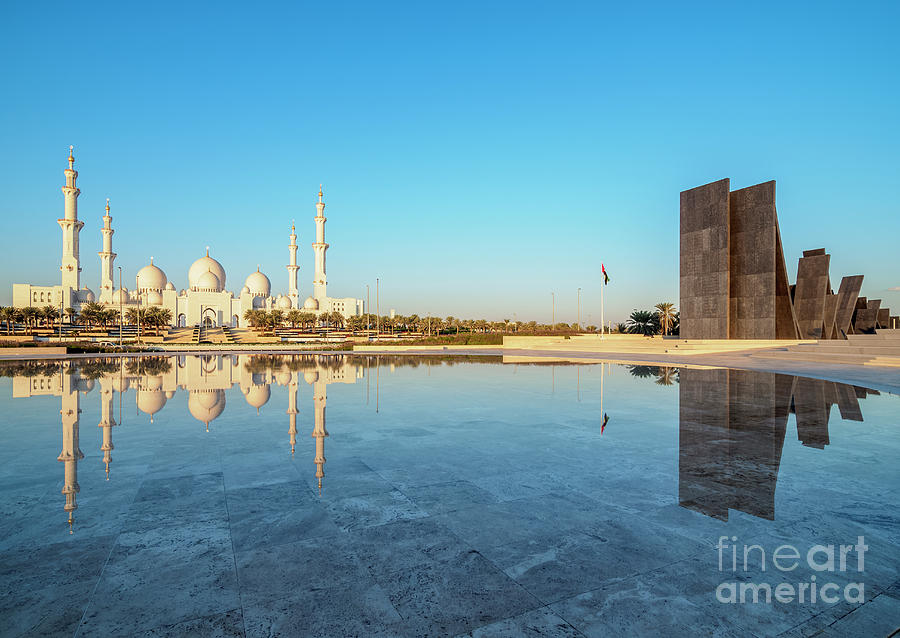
(71, 266)
(107, 421)
(319, 248)
(107, 257)
(71, 452)
(292, 409)
(320, 388)
(292, 268)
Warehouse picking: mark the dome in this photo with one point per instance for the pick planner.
(206, 406)
(155, 298)
(259, 302)
(85, 385)
(258, 395)
(151, 277)
(245, 290)
(202, 266)
(120, 296)
(169, 286)
(170, 394)
(310, 304)
(120, 383)
(207, 281)
(283, 378)
(258, 284)
(86, 295)
(150, 401)
(284, 303)
(311, 376)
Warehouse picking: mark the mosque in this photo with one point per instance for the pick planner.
(205, 301)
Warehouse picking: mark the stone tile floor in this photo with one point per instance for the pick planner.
(190, 557)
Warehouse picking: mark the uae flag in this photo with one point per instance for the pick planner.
(605, 276)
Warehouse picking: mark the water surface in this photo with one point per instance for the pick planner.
(341, 495)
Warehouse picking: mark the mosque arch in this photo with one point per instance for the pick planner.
(234, 321)
(208, 318)
(182, 321)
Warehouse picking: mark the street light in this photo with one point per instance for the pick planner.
(579, 309)
(121, 316)
(553, 303)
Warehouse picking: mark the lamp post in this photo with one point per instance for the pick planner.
(137, 288)
(377, 309)
(368, 311)
(579, 309)
(553, 313)
(121, 315)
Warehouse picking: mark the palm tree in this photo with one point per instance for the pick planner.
(49, 313)
(72, 314)
(8, 314)
(666, 315)
(293, 317)
(336, 319)
(28, 315)
(275, 318)
(643, 322)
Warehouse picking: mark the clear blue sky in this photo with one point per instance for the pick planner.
(476, 156)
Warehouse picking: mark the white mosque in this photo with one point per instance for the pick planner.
(205, 301)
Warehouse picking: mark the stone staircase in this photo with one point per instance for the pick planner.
(880, 349)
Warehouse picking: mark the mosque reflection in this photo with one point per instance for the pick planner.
(155, 380)
(732, 423)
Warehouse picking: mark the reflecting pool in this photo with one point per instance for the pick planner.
(339, 495)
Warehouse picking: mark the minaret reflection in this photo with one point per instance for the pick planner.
(71, 451)
(320, 395)
(732, 426)
(107, 422)
(292, 411)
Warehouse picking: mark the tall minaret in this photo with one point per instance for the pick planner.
(319, 248)
(71, 267)
(293, 291)
(71, 451)
(107, 257)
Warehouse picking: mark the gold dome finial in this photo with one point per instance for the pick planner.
(107, 206)
(320, 192)
(71, 155)
(207, 251)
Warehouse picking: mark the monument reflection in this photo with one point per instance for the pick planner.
(732, 426)
(732, 423)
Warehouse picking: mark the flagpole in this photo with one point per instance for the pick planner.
(602, 326)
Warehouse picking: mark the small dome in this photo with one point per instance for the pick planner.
(169, 286)
(85, 385)
(207, 282)
(151, 277)
(311, 376)
(155, 298)
(283, 378)
(86, 295)
(245, 290)
(120, 296)
(284, 303)
(150, 401)
(182, 292)
(170, 394)
(258, 284)
(120, 383)
(259, 302)
(310, 304)
(206, 405)
(202, 266)
(258, 395)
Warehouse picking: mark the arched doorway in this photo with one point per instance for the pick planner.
(182, 320)
(234, 321)
(208, 319)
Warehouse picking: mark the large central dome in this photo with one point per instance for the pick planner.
(204, 265)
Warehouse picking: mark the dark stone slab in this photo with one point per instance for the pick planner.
(830, 313)
(847, 295)
(752, 262)
(883, 318)
(866, 319)
(704, 270)
(809, 298)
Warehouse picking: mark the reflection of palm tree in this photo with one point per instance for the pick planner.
(667, 375)
(643, 372)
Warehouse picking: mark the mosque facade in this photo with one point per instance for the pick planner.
(205, 301)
